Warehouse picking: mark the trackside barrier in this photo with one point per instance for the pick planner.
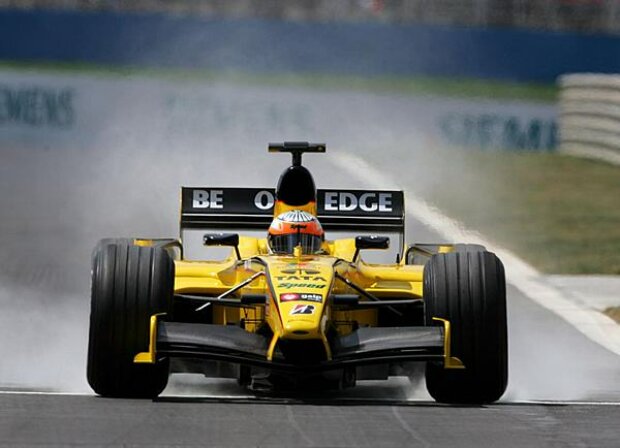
(589, 121)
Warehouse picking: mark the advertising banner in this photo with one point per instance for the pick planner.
(97, 111)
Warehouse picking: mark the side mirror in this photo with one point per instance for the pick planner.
(370, 242)
(223, 239)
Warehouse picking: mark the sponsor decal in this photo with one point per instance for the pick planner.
(293, 296)
(213, 199)
(203, 114)
(312, 297)
(291, 285)
(492, 130)
(302, 309)
(300, 270)
(306, 278)
(264, 200)
(37, 106)
(289, 297)
(300, 265)
(343, 201)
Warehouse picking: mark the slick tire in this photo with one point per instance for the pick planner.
(129, 284)
(422, 259)
(468, 289)
(469, 248)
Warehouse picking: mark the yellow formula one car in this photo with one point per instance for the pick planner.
(290, 308)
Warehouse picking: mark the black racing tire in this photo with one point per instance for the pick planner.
(469, 248)
(129, 284)
(468, 289)
(421, 259)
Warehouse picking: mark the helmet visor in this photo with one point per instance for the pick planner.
(284, 244)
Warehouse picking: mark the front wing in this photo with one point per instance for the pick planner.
(365, 346)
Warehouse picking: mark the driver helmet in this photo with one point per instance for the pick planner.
(295, 228)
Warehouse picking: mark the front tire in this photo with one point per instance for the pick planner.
(468, 289)
(129, 284)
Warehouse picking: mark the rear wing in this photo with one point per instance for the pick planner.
(252, 209)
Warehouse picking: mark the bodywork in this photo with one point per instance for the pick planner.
(329, 313)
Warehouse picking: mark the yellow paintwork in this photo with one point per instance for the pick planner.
(272, 346)
(300, 319)
(298, 274)
(216, 277)
(298, 305)
(149, 357)
(328, 349)
(343, 248)
(449, 362)
(142, 242)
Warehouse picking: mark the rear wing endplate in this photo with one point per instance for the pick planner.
(252, 209)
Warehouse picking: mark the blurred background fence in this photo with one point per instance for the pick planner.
(589, 110)
(240, 40)
(519, 41)
(582, 15)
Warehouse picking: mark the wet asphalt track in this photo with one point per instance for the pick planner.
(61, 201)
(27, 420)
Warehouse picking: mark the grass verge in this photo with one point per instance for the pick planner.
(559, 213)
(412, 85)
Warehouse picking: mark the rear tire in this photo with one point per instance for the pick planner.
(467, 288)
(129, 284)
(422, 259)
(469, 248)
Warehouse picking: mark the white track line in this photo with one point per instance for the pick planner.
(593, 324)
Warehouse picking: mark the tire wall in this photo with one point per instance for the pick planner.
(589, 115)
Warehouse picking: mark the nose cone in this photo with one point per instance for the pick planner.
(301, 329)
(301, 319)
(301, 288)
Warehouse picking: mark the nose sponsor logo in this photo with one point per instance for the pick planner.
(302, 309)
(289, 297)
(300, 270)
(300, 281)
(299, 285)
(293, 296)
